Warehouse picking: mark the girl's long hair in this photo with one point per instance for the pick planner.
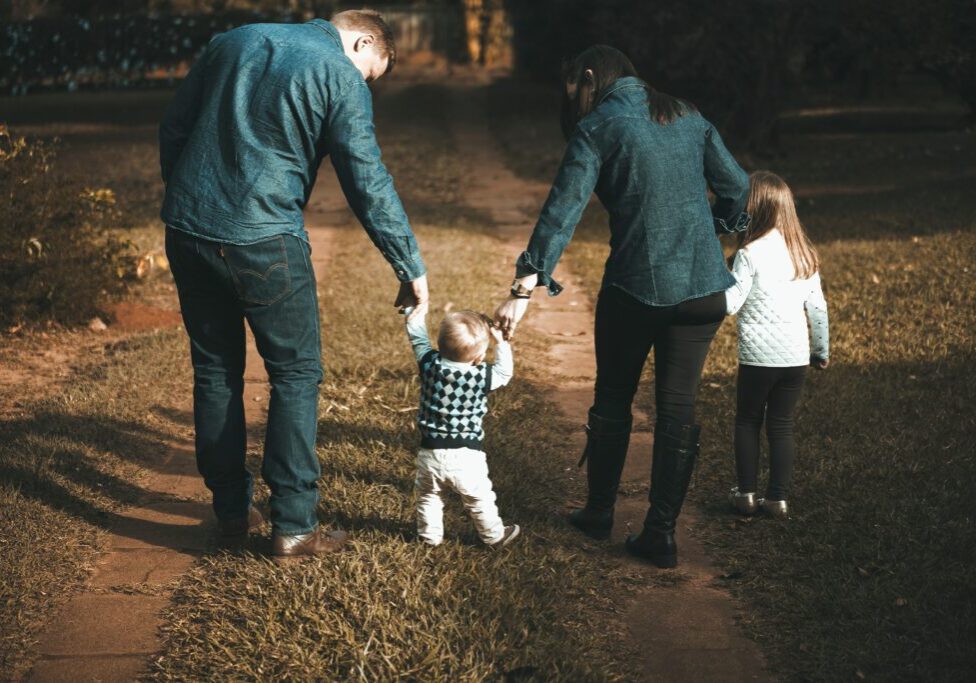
(772, 207)
(608, 64)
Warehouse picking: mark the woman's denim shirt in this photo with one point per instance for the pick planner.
(652, 179)
(242, 140)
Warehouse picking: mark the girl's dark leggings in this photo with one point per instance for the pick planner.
(772, 393)
(627, 329)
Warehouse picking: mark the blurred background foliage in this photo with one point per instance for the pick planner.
(741, 61)
(744, 61)
(59, 257)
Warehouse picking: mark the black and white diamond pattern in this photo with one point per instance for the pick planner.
(453, 402)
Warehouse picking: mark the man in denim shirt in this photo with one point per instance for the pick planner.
(240, 146)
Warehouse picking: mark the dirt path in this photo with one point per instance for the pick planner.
(686, 631)
(109, 630)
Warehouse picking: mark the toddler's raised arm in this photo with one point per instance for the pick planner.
(504, 366)
(417, 334)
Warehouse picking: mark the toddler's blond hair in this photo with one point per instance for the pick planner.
(463, 336)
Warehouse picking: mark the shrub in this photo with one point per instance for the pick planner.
(58, 259)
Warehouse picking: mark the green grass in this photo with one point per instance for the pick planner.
(872, 576)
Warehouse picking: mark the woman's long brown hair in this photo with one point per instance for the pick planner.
(772, 207)
(607, 65)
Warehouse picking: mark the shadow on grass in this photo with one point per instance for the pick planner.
(873, 571)
(87, 466)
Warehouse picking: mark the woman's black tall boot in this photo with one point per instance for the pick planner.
(675, 449)
(604, 454)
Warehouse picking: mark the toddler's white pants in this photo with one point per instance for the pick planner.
(464, 470)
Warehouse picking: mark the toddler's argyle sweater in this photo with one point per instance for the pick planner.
(453, 403)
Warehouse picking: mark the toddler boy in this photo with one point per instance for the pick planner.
(454, 385)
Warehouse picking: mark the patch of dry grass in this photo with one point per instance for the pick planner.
(67, 463)
(79, 421)
(872, 577)
(76, 440)
(390, 607)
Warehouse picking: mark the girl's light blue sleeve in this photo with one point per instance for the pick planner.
(417, 334)
(816, 308)
(504, 366)
(571, 190)
(744, 273)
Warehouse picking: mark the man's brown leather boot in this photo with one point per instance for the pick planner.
(318, 542)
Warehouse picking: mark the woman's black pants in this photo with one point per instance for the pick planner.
(627, 330)
(769, 394)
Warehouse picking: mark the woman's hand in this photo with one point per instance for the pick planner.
(509, 313)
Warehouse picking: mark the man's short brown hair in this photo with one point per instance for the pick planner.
(369, 21)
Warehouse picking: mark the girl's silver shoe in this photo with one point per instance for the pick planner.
(775, 508)
(743, 503)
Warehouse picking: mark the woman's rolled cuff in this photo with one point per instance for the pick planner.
(524, 266)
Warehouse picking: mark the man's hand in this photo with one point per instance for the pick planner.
(819, 363)
(414, 295)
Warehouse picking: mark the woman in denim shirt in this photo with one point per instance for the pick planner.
(651, 159)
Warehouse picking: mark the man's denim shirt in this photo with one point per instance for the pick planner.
(241, 143)
(652, 180)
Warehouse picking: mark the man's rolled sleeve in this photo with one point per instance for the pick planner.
(366, 183)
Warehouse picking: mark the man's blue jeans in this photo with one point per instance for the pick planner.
(271, 284)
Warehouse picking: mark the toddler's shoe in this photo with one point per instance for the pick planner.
(511, 533)
(743, 503)
(775, 508)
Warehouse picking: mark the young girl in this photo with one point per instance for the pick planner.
(777, 280)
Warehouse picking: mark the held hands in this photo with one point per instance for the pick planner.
(508, 314)
(413, 299)
(496, 332)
